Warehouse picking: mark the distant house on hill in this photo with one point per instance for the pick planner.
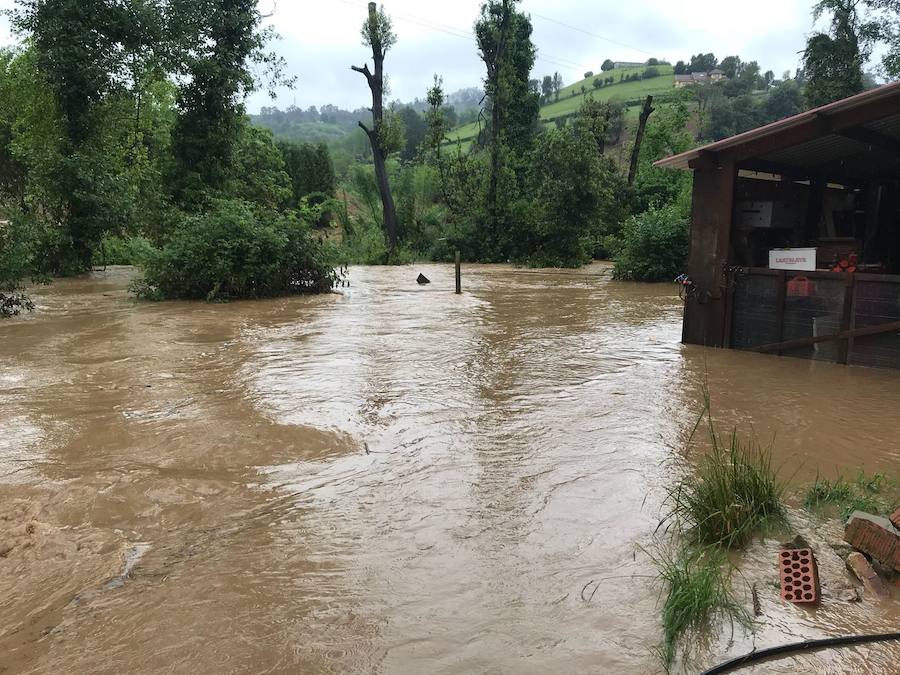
(629, 64)
(699, 78)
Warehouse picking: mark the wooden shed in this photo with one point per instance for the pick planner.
(795, 235)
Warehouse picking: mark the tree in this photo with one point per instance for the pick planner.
(784, 100)
(833, 62)
(414, 129)
(557, 84)
(589, 74)
(702, 63)
(82, 49)
(680, 68)
(646, 111)
(730, 65)
(769, 78)
(310, 170)
(504, 42)
(607, 65)
(378, 33)
(547, 88)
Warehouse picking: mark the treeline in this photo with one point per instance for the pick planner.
(125, 121)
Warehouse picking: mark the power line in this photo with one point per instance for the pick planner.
(459, 33)
(587, 32)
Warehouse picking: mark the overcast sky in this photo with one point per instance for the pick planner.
(320, 40)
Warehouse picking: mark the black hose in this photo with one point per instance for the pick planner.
(809, 645)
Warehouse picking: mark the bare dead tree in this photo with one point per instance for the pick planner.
(639, 139)
(378, 34)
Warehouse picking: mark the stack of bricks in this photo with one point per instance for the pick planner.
(876, 537)
(799, 578)
(895, 519)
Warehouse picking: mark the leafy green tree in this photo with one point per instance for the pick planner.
(680, 68)
(557, 85)
(702, 63)
(607, 65)
(833, 62)
(546, 88)
(505, 47)
(83, 50)
(378, 34)
(731, 66)
(310, 169)
(784, 100)
(217, 42)
(415, 130)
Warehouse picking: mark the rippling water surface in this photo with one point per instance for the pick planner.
(393, 480)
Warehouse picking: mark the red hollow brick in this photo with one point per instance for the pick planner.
(875, 536)
(799, 576)
(895, 519)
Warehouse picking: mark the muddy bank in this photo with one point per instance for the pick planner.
(395, 479)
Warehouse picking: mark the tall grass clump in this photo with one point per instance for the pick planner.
(699, 590)
(734, 493)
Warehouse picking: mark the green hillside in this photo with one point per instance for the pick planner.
(571, 98)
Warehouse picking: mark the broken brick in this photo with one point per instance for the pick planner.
(895, 519)
(867, 575)
(799, 577)
(874, 536)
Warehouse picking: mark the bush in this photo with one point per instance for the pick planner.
(652, 246)
(236, 251)
(22, 240)
(116, 250)
(650, 72)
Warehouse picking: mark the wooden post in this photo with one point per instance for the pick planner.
(458, 274)
(713, 197)
(780, 305)
(848, 320)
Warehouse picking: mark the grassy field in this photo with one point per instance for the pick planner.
(571, 98)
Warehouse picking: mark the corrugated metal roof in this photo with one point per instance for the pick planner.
(683, 160)
(817, 152)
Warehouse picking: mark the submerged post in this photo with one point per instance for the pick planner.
(458, 275)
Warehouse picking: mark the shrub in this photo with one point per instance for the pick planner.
(236, 251)
(650, 72)
(652, 246)
(116, 250)
(22, 241)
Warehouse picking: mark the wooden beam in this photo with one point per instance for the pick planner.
(816, 127)
(872, 139)
(799, 173)
(893, 327)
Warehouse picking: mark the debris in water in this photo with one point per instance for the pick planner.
(876, 537)
(422, 280)
(867, 575)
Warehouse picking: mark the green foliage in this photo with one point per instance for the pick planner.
(734, 493)
(876, 494)
(652, 246)
(116, 250)
(834, 62)
(310, 169)
(698, 590)
(236, 250)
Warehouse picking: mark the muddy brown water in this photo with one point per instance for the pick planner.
(392, 480)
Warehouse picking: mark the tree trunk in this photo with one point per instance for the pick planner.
(496, 125)
(639, 139)
(375, 81)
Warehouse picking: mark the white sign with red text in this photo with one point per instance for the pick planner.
(798, 259)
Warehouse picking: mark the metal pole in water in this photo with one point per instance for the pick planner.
(458, 275)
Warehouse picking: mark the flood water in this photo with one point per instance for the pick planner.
(394, 479)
